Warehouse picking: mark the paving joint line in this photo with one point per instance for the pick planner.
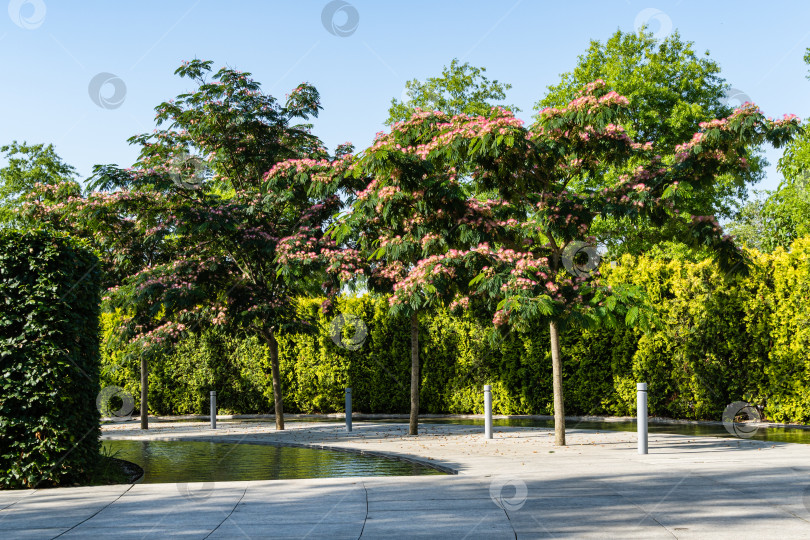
(96, 513)
(226, 518)
(365, 519)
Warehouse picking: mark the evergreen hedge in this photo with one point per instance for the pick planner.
(720, 339)
(49, 360)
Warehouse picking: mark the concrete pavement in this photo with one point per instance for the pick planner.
(517, 485)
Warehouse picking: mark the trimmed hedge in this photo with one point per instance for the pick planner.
(49, 360)
(720, 340)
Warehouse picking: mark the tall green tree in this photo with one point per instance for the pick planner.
(30, 165)
(671, 89)
(461, 89)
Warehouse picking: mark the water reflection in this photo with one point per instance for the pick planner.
(186, 461)
(772, 434)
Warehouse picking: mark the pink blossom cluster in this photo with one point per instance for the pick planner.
(462, 302)
(466, 127)
(391, 271)
(347, 264)
(167, 332)
(299, 165)
(425, 270)
(587, 101)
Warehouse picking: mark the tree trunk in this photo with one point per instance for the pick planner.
(414, 427)
(559, 407)
(144, 392)
(277, 399)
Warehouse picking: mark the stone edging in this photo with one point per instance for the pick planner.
(364, 416)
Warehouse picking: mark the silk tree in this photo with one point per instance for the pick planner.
(210, 193)
(410, 210)
(530, 169)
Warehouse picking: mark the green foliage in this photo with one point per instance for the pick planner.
(29, 165)
(715, 338)
(462, 89)
(671, 90)
(785, 388)
(782, 215)
(754, 226)
(49, 358)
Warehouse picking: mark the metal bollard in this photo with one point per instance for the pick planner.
(348, 409)
(213, 409)
(641, 413)
(488, 411)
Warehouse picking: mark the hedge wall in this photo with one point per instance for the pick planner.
(49, 360)
(720, 340)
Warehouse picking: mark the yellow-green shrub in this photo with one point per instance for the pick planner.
(719, 339)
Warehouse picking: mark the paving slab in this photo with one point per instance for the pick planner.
(234, 529)
(516, 485)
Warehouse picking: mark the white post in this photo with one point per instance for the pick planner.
(213, 409)
(349, 409)
(488, 411)
(641, 414)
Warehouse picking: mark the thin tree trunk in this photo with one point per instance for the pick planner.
(414, 427)
(144, 392)
(556, 367)
(277, 399)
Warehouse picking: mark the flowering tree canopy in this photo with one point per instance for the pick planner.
(531, 168)
(431, 233)
(222, 198)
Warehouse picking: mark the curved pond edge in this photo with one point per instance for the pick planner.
(431, 464)
(136, 477)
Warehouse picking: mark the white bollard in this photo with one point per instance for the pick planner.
(641, 414)
(488, 411)
(349, 409)
(213, 409)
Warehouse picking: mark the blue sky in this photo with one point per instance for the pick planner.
(51, 50)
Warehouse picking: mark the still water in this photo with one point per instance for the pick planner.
(187, 461)
(773, 434)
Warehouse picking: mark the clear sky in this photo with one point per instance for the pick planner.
(359, 57)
